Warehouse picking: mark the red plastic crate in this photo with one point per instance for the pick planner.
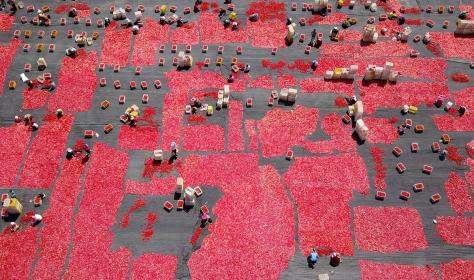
(427, 169)
(138, 70)
(180, 204)
(186, 10)
(102, 82)
(418, 187)
(294, 6)
(116, 68)
(220, 49)
(204, 209)
(429, 8)
(161, 61)
(304, 7)
(112, 9)
(30, 8)
(117, 84)
(144, 85)
(198, 191)
(435, 147)
(415, 147)
(430, 23)
(233, 61)
(173, 9)
(289, 155)
(17, 33)
(408, 123)
(219, 61)
(4, 213)
(174, 48)
(307, 49)
(401, 167)
(274, 51)
(175, 61)
(157, 8)
(445, 24)
(435, 198)
(23, 19)
(162, 48)
(28, 33)
(122, 99)
(249, 102)
(128, 8)
(239, 50)
(141, 8)
(157, 84)
(188, 48)
(62, 21)
(274, 94)
(380, 195)
(101, 66)
(97, 10)
(382, 17)
(100, 23)
(35, 21)
(47, 75)
(4, 197)
(230, 7)
(51, 48)
(70, 33)
(26, 47)
(27, 67)
(405, 195)
(123, 119)
(451, 9)
(371, 20)
(76, 20)
(397, 151)
(417, 38)
(168, 206)
(302, 37)
(302, 21)
(40, 34)
(207, 61)
(88, 133)
(346, 119)
(204, 48)
(133, 85)
(108, 128)
(271, 101)
(145, 98)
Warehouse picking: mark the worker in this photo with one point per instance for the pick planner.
(26, 80)
(246, 68)
(230, 79)
(334, 34)
(313, 41)
(48, 85)
(36, 219)
(253, 17)
(71, 52)
(135, 29)
(86, 149)
(73, 12)
(14, 227)
(13, 6)
(106, 21)
(313, 258)
(335, 259)
(461, 110)
(289, 21)
(180, 22)
(196, 8)
(222, 13)
(28, 119)
(174, 150)
(38, 201)
(42, 17)
(12, 193)
(204, 219)
(162, 20)
(314, 64)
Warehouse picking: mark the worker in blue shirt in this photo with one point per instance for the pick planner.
(313, 258)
